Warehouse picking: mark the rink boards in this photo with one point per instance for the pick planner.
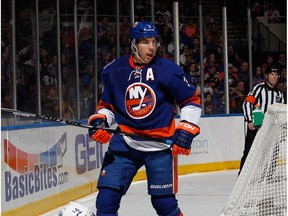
(45, 166)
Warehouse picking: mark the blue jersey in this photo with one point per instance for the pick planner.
(142, 99)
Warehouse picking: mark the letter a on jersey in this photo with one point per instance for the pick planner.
(140, 100)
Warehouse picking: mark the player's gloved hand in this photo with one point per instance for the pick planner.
(99, 121)
(183, 136)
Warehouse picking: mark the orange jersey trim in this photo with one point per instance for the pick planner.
(156, 133)
(102, 105)
(195, 99)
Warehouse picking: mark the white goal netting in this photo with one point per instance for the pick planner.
(261, 188)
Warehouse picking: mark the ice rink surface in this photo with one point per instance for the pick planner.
(200, 194)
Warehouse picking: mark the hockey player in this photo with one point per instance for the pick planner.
(139, 94)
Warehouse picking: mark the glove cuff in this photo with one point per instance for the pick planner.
(189, 127)
(97, 116)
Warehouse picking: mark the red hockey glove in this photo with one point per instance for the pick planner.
(183, 137)
(99, 121)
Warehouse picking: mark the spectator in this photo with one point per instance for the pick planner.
(207, 87)
(190, 29)
(232, 80)
(212, 61)
(183, 55)
(51, 103)
(216, 98)
(51, 78)
(232, 77)
(220, 107)
(219, 56)
(233, 56)
(237, 97)
(257, 9)
(196, 49)
(100, 30)
(208, 104)
(270, 61)
(264, 67)
(243, 75)
(189, 60)
(281, 63)
(159, 22)
(184, 38)
(243, 72)
(258, 76)
(191, 74)
(207, 20)
(196, 44)
(283, 88)
(283, 75)
(67, 111)
(167, 22)
(210, 45)
(105, 24)
(272, 13)
(44, 61)
(214, 32)
(212, 75)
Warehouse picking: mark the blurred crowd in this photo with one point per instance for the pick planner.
(214, 97)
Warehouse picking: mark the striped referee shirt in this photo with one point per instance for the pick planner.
(263, 95)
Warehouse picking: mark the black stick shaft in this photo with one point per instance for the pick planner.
(79, 124)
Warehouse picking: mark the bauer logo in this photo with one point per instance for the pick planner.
(36, 172)
(140, 100)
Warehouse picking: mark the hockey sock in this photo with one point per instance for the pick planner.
(108, 202)
(166, 205)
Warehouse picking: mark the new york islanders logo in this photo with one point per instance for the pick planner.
(140, 100)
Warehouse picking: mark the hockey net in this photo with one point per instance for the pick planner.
(261, 188)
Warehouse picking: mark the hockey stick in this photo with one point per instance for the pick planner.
(79, 124)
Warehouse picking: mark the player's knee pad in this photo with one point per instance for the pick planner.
(166, 205)
(108, 202)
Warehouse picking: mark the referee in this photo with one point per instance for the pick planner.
(263, 94)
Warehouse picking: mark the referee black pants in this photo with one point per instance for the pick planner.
(250, 136)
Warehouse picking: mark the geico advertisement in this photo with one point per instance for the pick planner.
(40, 162)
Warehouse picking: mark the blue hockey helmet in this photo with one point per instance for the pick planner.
(143, 30)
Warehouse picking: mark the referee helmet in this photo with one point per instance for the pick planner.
(271, 70)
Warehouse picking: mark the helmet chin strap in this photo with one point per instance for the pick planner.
(135, 51)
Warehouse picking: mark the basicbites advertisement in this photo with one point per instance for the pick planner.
(40, 162)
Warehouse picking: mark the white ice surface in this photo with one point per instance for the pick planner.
(200, 194)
